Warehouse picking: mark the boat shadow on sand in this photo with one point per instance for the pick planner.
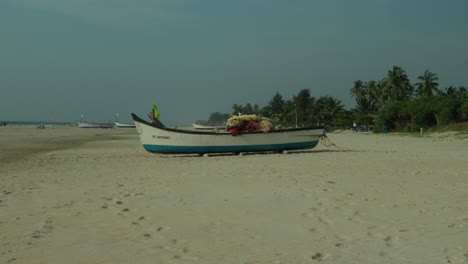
(292, 152)
(233, 154)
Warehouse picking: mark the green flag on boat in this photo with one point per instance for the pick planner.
(156, 112)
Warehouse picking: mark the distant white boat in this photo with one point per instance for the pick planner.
(94, 125)
(206, 127)
(124, 125)
(117, 124)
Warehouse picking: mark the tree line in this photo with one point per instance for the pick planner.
(393, 102)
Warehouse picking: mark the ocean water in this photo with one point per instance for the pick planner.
(34, 123)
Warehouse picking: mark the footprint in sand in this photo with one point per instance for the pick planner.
(317, 256)
(45, 229)
(455, 255)
(163, 228)
(324, 220)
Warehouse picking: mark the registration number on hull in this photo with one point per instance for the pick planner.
(161, 137)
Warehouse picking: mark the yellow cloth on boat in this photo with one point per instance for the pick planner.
(266, 125)
(237, 120)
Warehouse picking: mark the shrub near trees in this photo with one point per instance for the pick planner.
(392, 102)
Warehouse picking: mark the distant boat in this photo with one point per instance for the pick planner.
(94, 125)
(159, 139)
(207, 127)
(123, 125)
(41, 125)
(117, 124)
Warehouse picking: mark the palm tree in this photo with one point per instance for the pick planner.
(358, 92)
(276, 105)
(287, 117)
(274, 109)
(358, 89)
(381, 94)
(326, 108)
(428, 83)
(302, 103)
(397, 84)
(366, 95)
(461, 91)
(371, 96)
(237, 109)
(451, 90)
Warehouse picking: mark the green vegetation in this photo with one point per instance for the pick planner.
(218, 119)
(392, 102)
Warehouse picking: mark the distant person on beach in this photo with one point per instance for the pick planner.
(41, 125)
(354, 127)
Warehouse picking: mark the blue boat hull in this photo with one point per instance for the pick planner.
(165, 149)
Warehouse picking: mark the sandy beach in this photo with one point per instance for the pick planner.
(70, 195)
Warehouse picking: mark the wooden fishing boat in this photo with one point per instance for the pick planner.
(159, 139)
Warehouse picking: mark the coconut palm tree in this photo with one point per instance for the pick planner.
(358, 89)
(397, 84)
(302, 103)
(275, 107)
(461, 91)
(326, 107)
(428, 83)
(371, 96)
(451, 90)
(366, 95)
(288, 116)
(381, 94)
(358, 92)
(276, 103)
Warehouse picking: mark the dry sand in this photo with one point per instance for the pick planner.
(70, 195)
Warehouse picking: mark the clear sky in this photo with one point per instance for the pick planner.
(63, 58)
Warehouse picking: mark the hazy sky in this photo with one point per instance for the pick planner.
(63, 58)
